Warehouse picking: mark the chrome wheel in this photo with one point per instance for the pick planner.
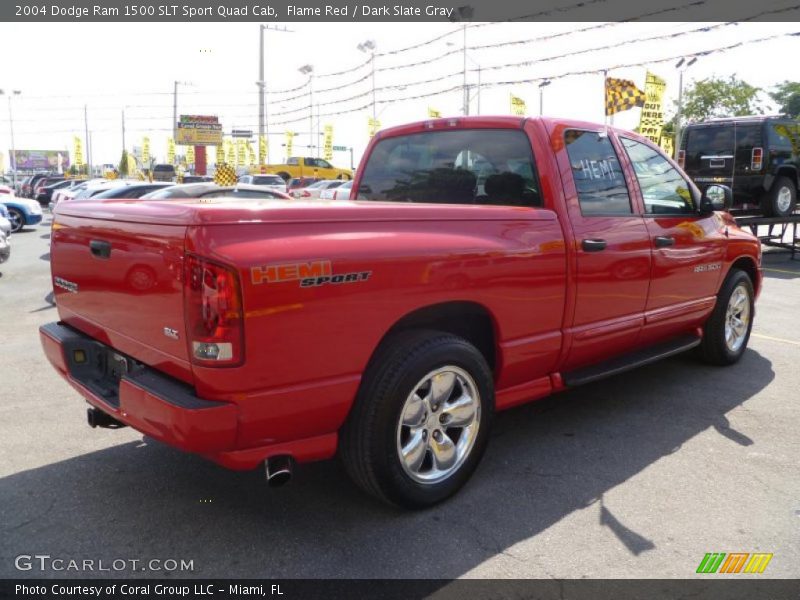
(438, 425)
(737, 318)
(16, 219)
(784, 200)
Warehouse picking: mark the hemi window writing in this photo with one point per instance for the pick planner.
(597, 174)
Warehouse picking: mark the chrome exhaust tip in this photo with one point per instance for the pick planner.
(279, 470)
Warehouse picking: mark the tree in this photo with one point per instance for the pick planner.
(123, 164)
(717, 97)
(787, 95)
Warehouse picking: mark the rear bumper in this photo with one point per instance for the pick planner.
(31, 219)
(148, 401)
(165, 408)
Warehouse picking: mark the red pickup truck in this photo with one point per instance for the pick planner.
(481, 263)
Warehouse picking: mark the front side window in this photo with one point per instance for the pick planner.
(664, 190)
(598, 176)
(461, 166)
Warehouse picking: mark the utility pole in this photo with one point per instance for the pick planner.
(263, 125)
(123, 129)
(542, 85)
(679, 112)
(12, 93)
(175, 111)
(370, 46)
(309, 70)
(466, 89)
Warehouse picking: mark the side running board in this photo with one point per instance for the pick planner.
(626, 362)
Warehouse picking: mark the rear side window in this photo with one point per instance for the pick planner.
(784, 136)
(597, 173)
(664, 190)
(270, 180)
(463, 166)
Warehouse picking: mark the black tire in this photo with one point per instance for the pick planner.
(776, 205)
(17, 219)
(369, 438)
(714, 348)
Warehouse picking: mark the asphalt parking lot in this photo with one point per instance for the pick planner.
(637, 476)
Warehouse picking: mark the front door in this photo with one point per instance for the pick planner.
(688, 249)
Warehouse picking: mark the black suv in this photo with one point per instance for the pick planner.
(759, 157)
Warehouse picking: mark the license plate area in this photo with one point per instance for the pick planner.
(717, 163)
(99, 368)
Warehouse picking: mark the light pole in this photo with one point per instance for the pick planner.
(463, 13)
(11, 94)
(263, 125)
(542, 85)
(679, 114)
(466, 86)
(309, 70)
(370, 46)
(175, 107)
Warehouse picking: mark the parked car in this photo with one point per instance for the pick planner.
(75, 188)
(22, 212)
(5, 220)
(133, 189)
(315, 189)
(300, 166)
(341, 192)
(390, 328)
(5, 247)
(42, 183)
(164, 172)
(272, 182)
(45, 194)
(196, 178)
(29, 187)
(93, 189)
(212, 190)
(759, 157)
(301, 182)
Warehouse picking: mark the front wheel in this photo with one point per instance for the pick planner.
(727, 330)
(421, 420)
(16, 218)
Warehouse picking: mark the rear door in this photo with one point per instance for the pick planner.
(710, 153)
(613, 248)
(688, 249)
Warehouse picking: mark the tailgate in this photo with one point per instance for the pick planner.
(121, 282)
(710, 154)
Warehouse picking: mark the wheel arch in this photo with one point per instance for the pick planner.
(466, 319)
(788, 171)
(748, 265)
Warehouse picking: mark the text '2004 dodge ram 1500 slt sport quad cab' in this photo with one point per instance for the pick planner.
(481, 263)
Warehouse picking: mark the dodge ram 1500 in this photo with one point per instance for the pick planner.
(480, 263)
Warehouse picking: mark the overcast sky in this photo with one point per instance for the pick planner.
(108, 67)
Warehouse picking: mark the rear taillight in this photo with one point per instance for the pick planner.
(214, 319)
(756, 159)
(306, 194)
(682, 158)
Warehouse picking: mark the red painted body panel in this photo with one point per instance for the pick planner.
(553, 306)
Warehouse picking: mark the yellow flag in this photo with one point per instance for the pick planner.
(622, 94)
(433, 113)
(230, 152)
(651, 121)
(241, 150)
(374, 126)
(289, 143)
(146, 150)
(251, 154)
(170, 151)
(327, 145)
(220, 155)
(189, 155)
(131, 164)
(517, 106)
(77, 151)
(262, 149)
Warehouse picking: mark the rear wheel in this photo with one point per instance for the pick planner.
(421, 421)
(782, 198)
(16, 218)
(727, 331)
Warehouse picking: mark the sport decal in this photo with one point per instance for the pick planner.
(309, 274)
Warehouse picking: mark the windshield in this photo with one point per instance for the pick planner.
(274, 180)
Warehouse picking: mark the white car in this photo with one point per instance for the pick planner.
(91, 191)
(270, 182)
(72, 191)
(316, 189)
(341, 192)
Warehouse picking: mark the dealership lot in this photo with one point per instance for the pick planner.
(640, 475)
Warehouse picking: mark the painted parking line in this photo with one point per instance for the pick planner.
(775, 339)
(782, 271)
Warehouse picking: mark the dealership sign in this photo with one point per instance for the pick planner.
(46, 160)
(198, 130)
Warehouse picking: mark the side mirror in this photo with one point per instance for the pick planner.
(715, 197)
